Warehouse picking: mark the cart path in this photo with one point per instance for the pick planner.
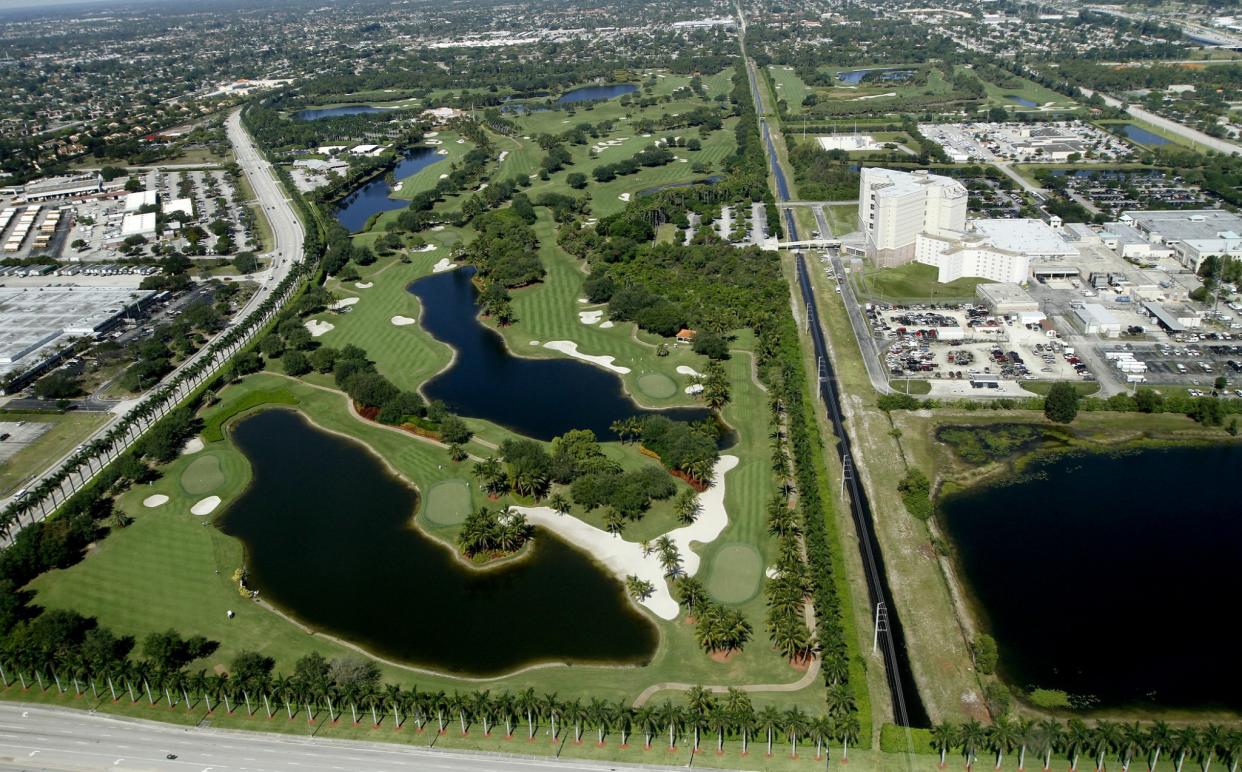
(808, 678)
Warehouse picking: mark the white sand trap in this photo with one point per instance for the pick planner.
(461, 141)
(683, 160)
(482, 187)
(584, 300)
(206, 506)
(503, 155)
(534, 176)
(687, 370)
(772, 572)
(402, 321)
(624, 196)
(343, 303)
(437, 227)
(694, 388)
(570, 348)
(607, 325)
(364, 285)
(193, 445)
(442, 151)
(151, 502)
(444, 265)
(425, 248)
(625, 558)
(590, 317)
(316, 327)
(432, 134)
(444, 176)
(435, 142)
(534, 343)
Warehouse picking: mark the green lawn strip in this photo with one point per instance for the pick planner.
(939, 658)
(427, 177)
(788, 86)
(913, 281)
(67, 431)
(842, 219)
(213, 421)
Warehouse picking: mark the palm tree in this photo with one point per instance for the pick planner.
(768, 719)
(944, 737)
(395, 699)
(795, 721)
(601, 714)
(577, 713)
(1001, 738)
(691, 594)
(823, 727)
(687, 507)
(1076, 737)
(1048, 737)
(559, 504)
(970, 736)
(1185, 740)
(742, 713)
(1231, 749)
(699, 702)
(1132, 738)
(848, 729)
(530, 704)
(719, 719)
(1212, 737)
(648, 719)
(1107, 735)
(1159, 737)
(671, 716)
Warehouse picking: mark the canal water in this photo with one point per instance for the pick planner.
(539, 398)
(329, 539)
(1113, 576)
(596, 93)
(316, 114)
(354, 210)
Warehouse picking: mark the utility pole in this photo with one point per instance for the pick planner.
(881, 624)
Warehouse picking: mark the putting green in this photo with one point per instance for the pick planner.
(735, 573)
(448, 502)
(657, 385)
(203, 475)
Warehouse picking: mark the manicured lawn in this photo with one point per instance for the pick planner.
(449, 502)
(842, 218)
(788, 86)
(913, 281)
(426, 179)
(67, 432)
(1028, 90)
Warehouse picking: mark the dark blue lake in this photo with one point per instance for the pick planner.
(1111, 575)
(1020, 100)
(315, 114)
(354, 210)
(596, 93)
(329, 538)
(539, 398)
(1143, 136)
(854, 77)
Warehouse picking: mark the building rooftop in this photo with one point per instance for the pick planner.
(33, 317)
(180, 205)
(893, 182)
(1003, 293)
(136, 201)
(138, 224)
(1184, 224)
(1027, 236)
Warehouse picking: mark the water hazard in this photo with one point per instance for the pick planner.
(1112, 576)
(319, 113)
(354, 210)
(539, 398)
(329, 539)
(596, 93)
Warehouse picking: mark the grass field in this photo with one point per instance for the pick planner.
(842, 219)
(913, 281)
(998, 96)
(67, 432)
(788, 86)
(426, 179)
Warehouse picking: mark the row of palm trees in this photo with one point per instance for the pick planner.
(703, 718)
(92, 458)
(1099, 744)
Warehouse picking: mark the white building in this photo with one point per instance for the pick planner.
(958, 255)
(894, 207)
(184, 205)
(1097, 320)
(136, 201)
(138, 224)
(1192, 234)
(1033, 238)
(70, 186)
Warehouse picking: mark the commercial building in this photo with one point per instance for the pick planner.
(894, 207)
(32, 319)
(1006, 298)
(138, 224)
(1192, 234)
(1034, 238)
(1174, 317)
(1097, 320)
(959, 255)
(68, 186)
(183, 205)
(136, 201)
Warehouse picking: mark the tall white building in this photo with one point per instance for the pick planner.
(961, 255)
(894, 207)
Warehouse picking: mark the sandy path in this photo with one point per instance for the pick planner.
(808, 678)
(625, 558)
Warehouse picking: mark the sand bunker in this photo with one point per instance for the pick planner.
(606, 325)
(154, 501)
(437, 227)
(624, 196)
(571, 349)
(317, 327)
(435, 142)
(445, 264)
(625, 558)
(193, 445)
(206, 506)
(694, 388)
(503, 155)
(442, 151)
(402, 321)
(425, 248)
(431, 134)
(364, 285)
(590, 317)
(687, 370)
(343, 303)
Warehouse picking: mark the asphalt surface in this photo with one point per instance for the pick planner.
(288, 235)
(41, 738)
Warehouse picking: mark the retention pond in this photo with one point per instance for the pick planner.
(1110, 576)
(329, 539)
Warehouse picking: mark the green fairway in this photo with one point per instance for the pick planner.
(789, 87)
(448, 502)
(736, 573)
(203, 474)
(426, 179)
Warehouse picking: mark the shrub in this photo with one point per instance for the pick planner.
(986, 654)
(1049, 699)
(915, 491)
(1061, 404)
(296, 363)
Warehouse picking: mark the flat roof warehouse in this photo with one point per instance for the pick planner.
(34, 318)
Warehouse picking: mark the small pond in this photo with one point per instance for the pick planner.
(1111, 575)
(354, 210)
(596, 93)
(855, 77)
(1021, 100)
(1143, 136)
(539, 398)
(319, 113)
(329, 539)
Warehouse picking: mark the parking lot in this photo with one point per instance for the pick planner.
(16, 435)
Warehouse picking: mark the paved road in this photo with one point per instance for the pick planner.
(1194, 135)
(40, 738)
(287, 229)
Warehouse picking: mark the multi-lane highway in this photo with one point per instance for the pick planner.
(288, 236)
(41, 738)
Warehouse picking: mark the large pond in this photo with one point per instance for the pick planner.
(539, 398)
(329, 539)
(354, 210)
(596, 93)
(1113, 576)
(319, 113)
(855, 77)
(1143, 136)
